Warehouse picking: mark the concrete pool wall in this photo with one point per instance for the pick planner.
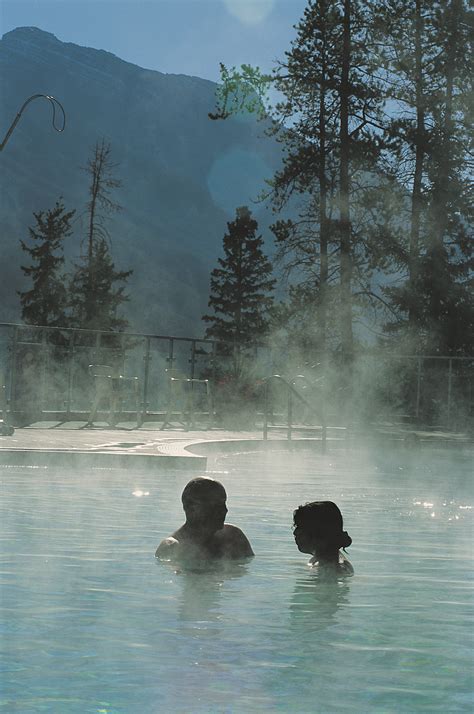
(48, 445)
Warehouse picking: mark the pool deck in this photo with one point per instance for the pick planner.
(72, 444)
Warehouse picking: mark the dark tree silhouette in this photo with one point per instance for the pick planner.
(327, 123)
(95, 296)
(241, 286)
(429, 72)
(45, 303)
(107, 295)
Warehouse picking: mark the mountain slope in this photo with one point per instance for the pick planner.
(182, 174)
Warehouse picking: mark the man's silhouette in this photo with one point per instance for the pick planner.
(205, 535)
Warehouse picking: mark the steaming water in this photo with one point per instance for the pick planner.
(91, 623)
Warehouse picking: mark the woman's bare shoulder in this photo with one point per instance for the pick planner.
(345, 565)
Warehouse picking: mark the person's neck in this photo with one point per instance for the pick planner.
(197, 533)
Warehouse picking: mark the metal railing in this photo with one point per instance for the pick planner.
(421, 373)
(292, 394)
(47, 369)
(430, 390)
(46, 375)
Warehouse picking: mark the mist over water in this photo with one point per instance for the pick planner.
(91, 621)
(375, 347)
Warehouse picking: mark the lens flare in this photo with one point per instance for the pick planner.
(236, 178)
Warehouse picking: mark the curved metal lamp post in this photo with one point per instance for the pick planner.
(5, 428)
(53, 102)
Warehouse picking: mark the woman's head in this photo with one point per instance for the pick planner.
(318, 529)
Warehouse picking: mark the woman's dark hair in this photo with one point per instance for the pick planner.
(322, 518)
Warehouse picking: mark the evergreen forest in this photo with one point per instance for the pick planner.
(374, 116)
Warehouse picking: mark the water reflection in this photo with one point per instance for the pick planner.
(316, 599)
(303, 657)
(201, 590)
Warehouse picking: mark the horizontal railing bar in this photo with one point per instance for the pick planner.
(110, 333)
(209, 341)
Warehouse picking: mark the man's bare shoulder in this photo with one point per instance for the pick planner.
(232, 531)
(233, 542)
(229, 542)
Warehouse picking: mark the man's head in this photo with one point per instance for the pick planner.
(204, 502)
(318, 528)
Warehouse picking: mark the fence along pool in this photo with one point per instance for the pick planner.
(46, 376)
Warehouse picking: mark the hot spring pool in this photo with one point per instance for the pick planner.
(92, 623)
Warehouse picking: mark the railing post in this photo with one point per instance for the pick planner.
(190, 386)
(146, 373)
(44, 363)
(450, 381)
(123, 353)
(97, 358)
(418, 390)
(213, 386)
(70, 374)
(214, 361)
(192, 361)
(265, 410)
(170, 358)
(13, 368)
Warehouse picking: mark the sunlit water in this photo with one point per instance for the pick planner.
(92, 623)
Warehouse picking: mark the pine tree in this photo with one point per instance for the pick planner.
(95, 297)
(241, 286)
(376, 128)
(45, 303)
(107, 296)
(307, 128)
(328, 124)
(448, 262)
(428, 74)
(334, 100)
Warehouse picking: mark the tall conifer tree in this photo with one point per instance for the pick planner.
(333, 100)
(241, 286)
(95, 295)
(108, 294)
(428, 151)
(45, 303)
(328, 123)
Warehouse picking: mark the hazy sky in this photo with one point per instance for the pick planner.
(176, 36)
